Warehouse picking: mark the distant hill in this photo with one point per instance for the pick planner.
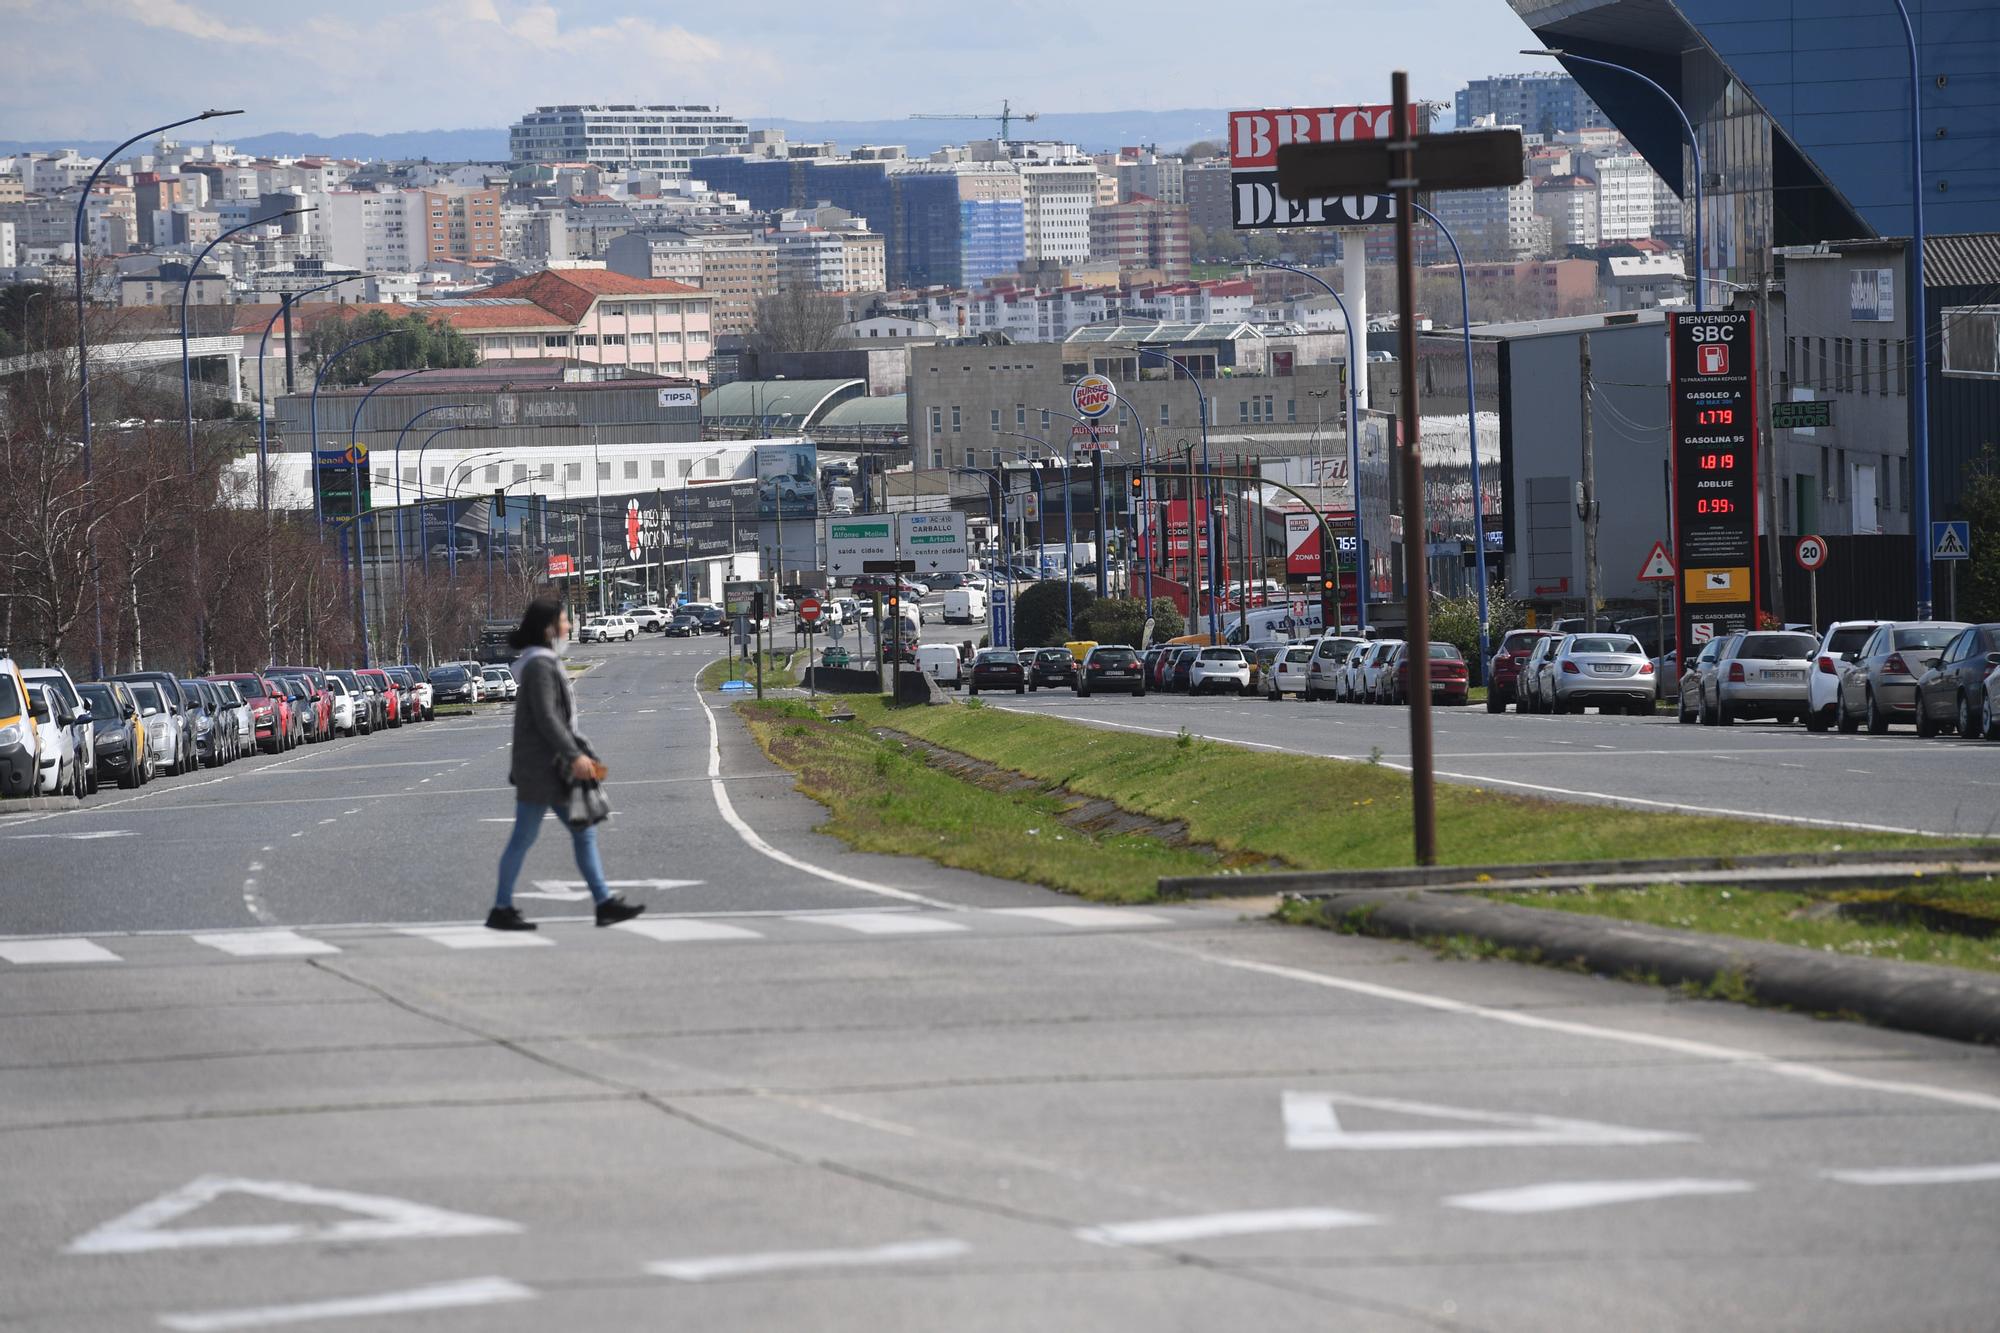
(1095, 131)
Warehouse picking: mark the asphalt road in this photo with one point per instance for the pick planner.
(1894, 782)
(843, 1092)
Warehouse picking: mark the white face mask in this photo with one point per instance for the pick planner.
(561, 646)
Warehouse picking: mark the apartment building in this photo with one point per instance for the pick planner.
(1145, 235)
(1625, 196)
(1569, 205)
(399, 231)
(1494, 224)
(1056, 202)
(626, 137)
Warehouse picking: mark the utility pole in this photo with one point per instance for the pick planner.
(1586, 491)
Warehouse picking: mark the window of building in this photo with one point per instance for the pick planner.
(586, 340)
(492, 472)
(970, 459)
(614, 340)
(1820, 378)
(937, 420)
(555, 340)
(614, 310)
(956, 421)
(712, 468)
(604, 472)
(520, 472)
(437, 476)
(1882, 361)
(1020, 417)
(1045, 421)
(632, 469)
(1166, 415)
(572, 472)
(410, 475)
(1903, 466)
(1861, 352)
(548, 472)
(1291, 409)
(659, 469)
(937, 458)
(1243, 411)
(996, 419)
(1971, 342)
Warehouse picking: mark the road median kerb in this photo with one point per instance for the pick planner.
(1913, 997)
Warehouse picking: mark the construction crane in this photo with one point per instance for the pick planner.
(1007, 117)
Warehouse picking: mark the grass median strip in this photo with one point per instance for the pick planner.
(1315, 813)
(777, 671)
(885, 796)
(1952, 922)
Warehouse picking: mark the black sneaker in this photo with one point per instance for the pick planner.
(508, 918)
(615, 909)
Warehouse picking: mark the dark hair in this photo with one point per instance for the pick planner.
(533, 631)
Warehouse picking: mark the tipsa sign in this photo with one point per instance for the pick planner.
(1254, 140)
(1093, 396)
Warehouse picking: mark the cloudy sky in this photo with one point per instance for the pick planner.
(96, 69)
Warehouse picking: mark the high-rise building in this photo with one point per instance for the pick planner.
(1497, 224)
(400, 231)
(1143, 234)
(1056, 200)
(1625, 207)
(647, 138)
(1570, 205)
(1540, 103)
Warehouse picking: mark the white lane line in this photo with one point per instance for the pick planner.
(1699, 1050)
(884, 923)
(682, 931)
(1917, 1175)
(773, 1261)
(1172, 1230)
(757, 844)
(264, 943)
(1091, 917)
(56, 951)
(444, 1296)
(477, 937)
(1562, 1195)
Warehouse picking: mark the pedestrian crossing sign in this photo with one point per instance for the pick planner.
(1951, 540)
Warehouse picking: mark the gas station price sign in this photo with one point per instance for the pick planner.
(1712, 375)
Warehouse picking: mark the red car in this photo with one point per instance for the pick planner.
(319, 719)
(1505, 668)
(392, 695)
(1449, 683)
(270, 710)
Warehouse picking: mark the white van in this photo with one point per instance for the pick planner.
(940, 662)
(964, 606)
(841, 499)
(1271, 623)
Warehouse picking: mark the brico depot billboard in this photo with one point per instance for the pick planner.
(1254, 140)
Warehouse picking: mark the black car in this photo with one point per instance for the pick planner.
(997, 669)
(114, 717)
(682, 626)
(1051, 666)
(1178, 665)
(451, 685)
(714, 620)
(1951, 696)
(1111, 666)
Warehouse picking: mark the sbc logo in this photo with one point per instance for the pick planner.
(1712, 358)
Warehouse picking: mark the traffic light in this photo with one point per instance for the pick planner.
(892, 603)
(499, 504)
(1329, 600)
(1138, 485)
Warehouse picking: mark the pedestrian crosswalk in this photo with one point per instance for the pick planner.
(804, 927)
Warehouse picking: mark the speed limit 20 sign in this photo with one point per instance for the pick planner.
(1811, 552)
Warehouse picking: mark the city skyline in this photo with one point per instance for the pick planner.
(100, 68)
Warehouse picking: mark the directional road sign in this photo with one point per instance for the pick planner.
(1951, 540)
(852, 541)
(1811, 552)
(934, 542)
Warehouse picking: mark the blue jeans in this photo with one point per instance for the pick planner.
(528, 823)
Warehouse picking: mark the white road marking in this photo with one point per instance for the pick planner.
(444, 1296)
(477, 937)
(757, 844)
(382, 1218)
(1562, 1195)
(1311, 1124)
(773, 1261)
(884, 923)
(56, 951)
(1171, 1230)
(682, 931)
(1093, 917)
(264, 943)
(1917, 1175)
(1699, 1050)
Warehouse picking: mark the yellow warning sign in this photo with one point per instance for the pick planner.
(1718, 585)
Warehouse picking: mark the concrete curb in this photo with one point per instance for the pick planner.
(1425, 877)
(1936, 1001)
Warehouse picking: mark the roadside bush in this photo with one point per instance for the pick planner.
(1455, 620)
(1123, 620)
(1041, 616)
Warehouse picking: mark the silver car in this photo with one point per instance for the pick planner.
(1377, 671)
(1758, 673)
(1531, 683)
(162, 724)
(1686, 702)
(238, 709)
(1329, 656)
(1879, 683)
(1611, 671)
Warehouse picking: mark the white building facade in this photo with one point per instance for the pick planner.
(626, 137)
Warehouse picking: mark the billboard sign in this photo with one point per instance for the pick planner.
(788, 480)
(1302, 539)
(1254, 140)
(1871, 295)
(1177, 528)
(1712, 377)
(1093, 396)
(681, 396)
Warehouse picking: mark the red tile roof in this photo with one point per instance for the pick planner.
(251, 319)
(464, 317)
(570, 292)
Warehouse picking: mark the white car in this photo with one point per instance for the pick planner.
(1329, 655)
(1287, 672)
(783, 605)
(940, 661)
(603, 629)
(1377, 668)
(650, 619)
(1216, 669)
(60, 771)
(163, 726)
(1839, 649)
(1610, 671)
(343, 708)
(498, 682)
(59, 681)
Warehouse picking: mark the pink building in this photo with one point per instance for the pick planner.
(591, 316)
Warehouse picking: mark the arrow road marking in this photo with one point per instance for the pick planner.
(1312, 1125)
(379, 1217)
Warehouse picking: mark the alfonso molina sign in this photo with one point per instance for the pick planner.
(1254, 140)
(1713, 377)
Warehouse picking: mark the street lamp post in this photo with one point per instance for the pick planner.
(1694, 144)
(1201, 397)
(187, 284)
(396, 456)
(83, 360)
(1357, 366)
(1920, 407)
(319, 376)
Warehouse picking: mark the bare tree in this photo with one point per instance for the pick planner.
(797, 319)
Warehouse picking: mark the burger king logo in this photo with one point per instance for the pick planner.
(1093, 397)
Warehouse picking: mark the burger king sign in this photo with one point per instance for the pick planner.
(1093, 396)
